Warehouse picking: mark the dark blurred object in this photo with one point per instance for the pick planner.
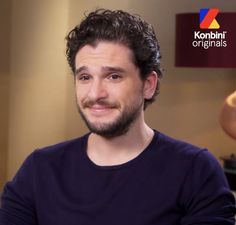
(230, 170)
(231, 178)
(188, 56)
(229, 162)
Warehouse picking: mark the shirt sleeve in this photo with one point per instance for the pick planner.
(17, 202)
(206, 197)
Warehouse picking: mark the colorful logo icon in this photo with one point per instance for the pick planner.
(208, 19)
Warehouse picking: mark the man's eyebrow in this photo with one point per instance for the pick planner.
(82, 68)
(104, 69)
(113, 69)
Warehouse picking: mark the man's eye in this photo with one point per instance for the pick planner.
(114, 76)
(84, 77)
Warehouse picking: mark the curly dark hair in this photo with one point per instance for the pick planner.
(122, 27)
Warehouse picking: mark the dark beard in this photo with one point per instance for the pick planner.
(118, 127)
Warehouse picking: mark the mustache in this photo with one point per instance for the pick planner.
(103, 102)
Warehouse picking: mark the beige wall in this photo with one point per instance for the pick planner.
(4, 85)
(38, 77)
(42, 106)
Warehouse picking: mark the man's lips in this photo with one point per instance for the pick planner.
(100, 109)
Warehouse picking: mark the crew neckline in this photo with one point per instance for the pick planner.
(117, 166)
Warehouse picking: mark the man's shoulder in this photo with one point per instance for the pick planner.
(61, 149)
(180, 150)
(172, 144)
(185, 155)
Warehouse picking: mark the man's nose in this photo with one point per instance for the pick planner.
(98, 90)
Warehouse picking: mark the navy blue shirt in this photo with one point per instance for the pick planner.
(169, 183)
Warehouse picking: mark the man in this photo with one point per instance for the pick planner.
(122, 172)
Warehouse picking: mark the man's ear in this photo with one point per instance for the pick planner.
(150, 85)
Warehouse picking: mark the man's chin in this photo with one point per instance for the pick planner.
(109, 134)
(107, 130)
(113, 125)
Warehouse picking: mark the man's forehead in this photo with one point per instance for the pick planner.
(107, 55)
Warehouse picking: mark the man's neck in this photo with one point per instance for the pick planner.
(121, 149)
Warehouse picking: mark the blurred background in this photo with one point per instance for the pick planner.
(37, 89)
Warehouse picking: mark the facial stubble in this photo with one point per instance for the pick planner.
(121, 123)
